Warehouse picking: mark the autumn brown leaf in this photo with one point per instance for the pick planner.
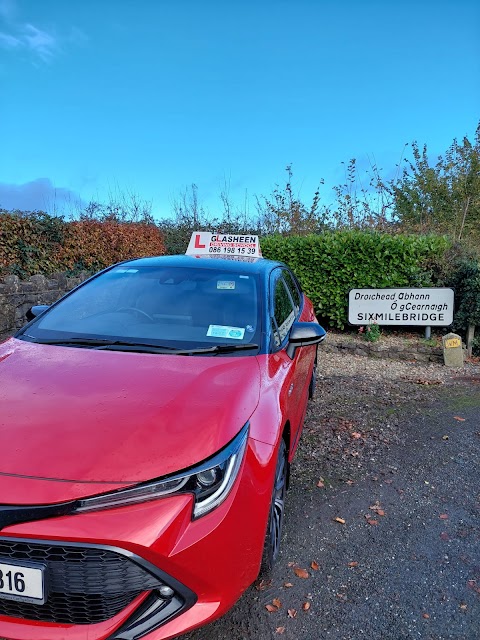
(292, 613)
(314, 565)
(426, 616)
(262, 585)
(271, 608)
(287, 585)
(320, 484)
(459, 418)
(352, 564)
(276, 602)
(339, 520)
(373, 523)
(443, 516)
(306, 606)
(280, 630)
(301, 573)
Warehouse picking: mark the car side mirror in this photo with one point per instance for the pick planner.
(36, 310)
(304, 334)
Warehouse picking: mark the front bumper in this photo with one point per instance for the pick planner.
(142, 571)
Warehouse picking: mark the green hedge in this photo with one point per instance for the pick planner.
(330, 264)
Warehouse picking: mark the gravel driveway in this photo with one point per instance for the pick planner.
(382, 538)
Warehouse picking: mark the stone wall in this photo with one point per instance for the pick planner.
(17, 296)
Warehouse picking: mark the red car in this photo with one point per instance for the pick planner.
(147, 424)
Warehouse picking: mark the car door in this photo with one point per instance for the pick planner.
(285, 309)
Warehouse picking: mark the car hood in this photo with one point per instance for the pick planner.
(114, 417)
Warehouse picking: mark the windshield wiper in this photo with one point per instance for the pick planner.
(99, 343)
(218, 348)
(124, 345)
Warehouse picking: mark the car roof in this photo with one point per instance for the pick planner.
(259, 266)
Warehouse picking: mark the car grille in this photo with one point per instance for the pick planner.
(86, 585)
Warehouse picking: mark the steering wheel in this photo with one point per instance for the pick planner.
(140, 312)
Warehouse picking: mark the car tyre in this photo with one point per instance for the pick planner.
(277, 511)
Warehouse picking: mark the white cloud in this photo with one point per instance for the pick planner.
(8, 41)
(40, 42)
(39, 195)
(29, 38)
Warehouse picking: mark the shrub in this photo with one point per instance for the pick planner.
(330, 264)
(29, 242)
(92, 244)
(35, 242)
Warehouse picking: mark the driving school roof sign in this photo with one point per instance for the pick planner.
(219, 244)
(420, 307)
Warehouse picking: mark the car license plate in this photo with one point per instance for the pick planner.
(22, 581)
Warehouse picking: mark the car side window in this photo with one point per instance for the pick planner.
(283, 312)
(293, 289)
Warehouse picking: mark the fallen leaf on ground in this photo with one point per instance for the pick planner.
(372, 522)
(292, 613)
(463, 606)
(356, 435)
(320, 484)
(352, 564)
(291, 564)
(301, 573)
(459, 418)
(262, 585)
(426, 616)
(280, 630)
(349, 482)
(443, 516)
(271, 608)
(277, 603)
(287, 585)
(340, 520)
(306, 606)
(315, 566)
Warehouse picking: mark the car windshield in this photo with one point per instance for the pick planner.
(171, 307)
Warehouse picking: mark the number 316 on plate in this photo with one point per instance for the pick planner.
(23, 582)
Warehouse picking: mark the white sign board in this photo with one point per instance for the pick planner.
(420, 307)
(219, 244)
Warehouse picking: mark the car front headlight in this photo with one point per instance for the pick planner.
(210, 483)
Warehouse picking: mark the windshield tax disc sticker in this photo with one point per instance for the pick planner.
(226, 284)
(219, 331)
(218, 244)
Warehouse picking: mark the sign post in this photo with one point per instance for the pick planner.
(428, 307)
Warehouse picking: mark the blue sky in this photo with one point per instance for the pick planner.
(105, 96)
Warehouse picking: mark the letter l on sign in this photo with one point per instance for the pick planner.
(197, 242)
